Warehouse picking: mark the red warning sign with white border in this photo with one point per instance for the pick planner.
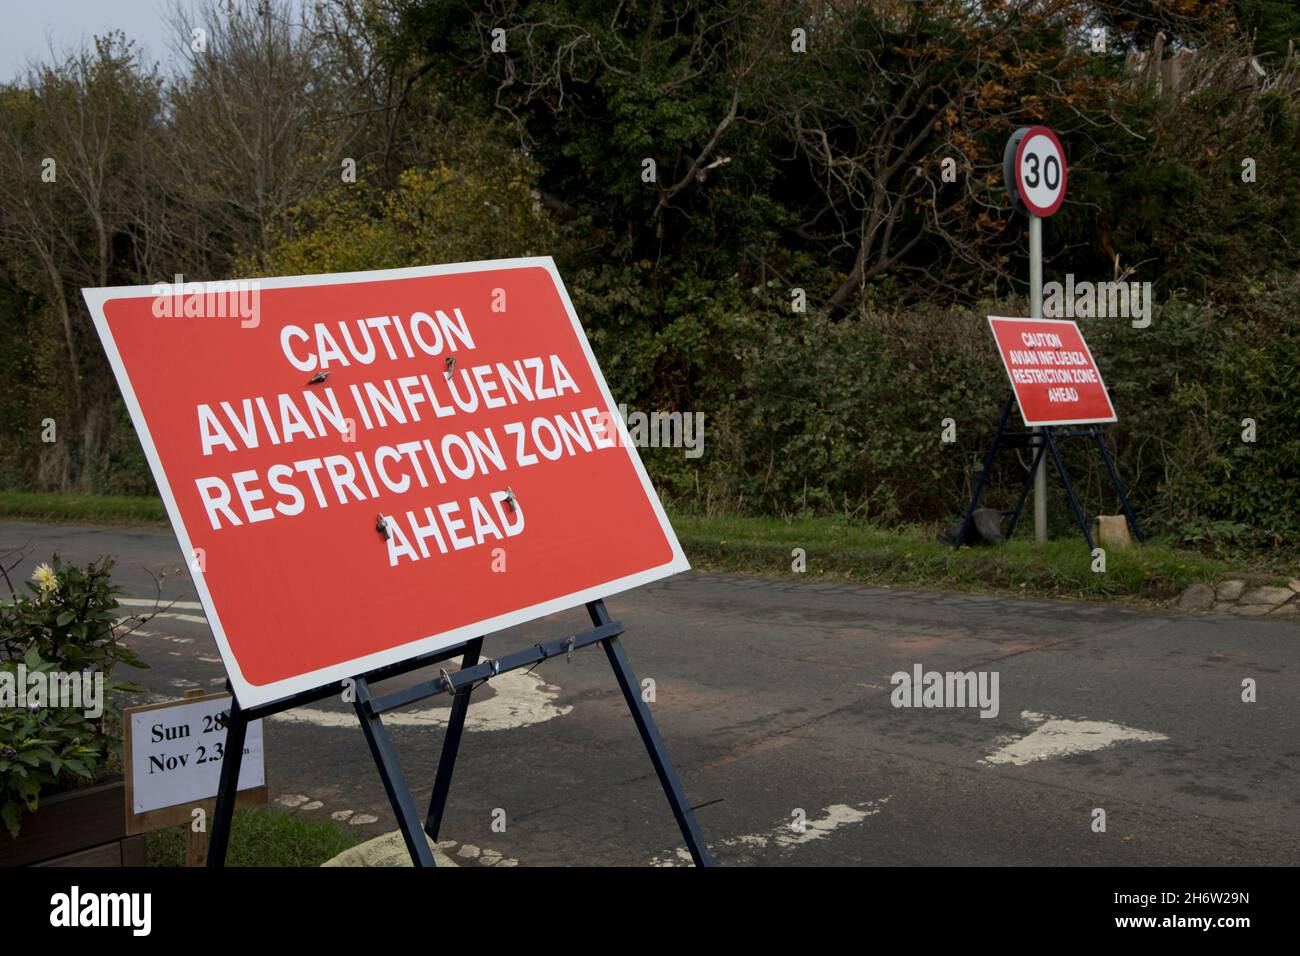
(1052, 372)
(368, 467)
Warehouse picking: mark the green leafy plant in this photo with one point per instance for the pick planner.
(68, 621)
(70, 617)
(43, 749)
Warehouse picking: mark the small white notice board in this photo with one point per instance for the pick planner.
(173, 753)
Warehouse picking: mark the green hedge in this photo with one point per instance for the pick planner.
(814, 416)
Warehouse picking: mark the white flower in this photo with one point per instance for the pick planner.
(44, 576)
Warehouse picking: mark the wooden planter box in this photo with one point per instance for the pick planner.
(85, 827)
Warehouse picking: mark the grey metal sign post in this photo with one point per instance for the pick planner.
(1034, 173)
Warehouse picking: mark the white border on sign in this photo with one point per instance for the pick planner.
(1065, 421)
(252, 695)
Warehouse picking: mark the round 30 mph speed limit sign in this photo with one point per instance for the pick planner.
(1034, 171)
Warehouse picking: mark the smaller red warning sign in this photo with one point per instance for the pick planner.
(1052, 372)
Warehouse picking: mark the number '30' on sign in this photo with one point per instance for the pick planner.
(1040, 171)
(1036, 170)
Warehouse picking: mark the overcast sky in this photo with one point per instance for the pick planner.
(28, 27)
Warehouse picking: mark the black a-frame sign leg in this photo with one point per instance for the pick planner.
(223, 815)
(654, 744)
(1024, 489)
(983, 478)
(450, 746)
(390, 771)
(1069, 488)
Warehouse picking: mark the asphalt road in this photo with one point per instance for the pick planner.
(774, 697)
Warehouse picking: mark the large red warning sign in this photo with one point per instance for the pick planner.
(1055, 379)
(371, 466)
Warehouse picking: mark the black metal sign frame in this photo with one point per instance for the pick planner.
(1044, 441)
(370, 706)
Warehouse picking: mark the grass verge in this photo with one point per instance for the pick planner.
(74, 509)
(913, 558)
(909, 557)
(262, 836)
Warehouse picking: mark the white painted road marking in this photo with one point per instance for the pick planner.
(784, 836)
(151, 602)
(1058, 737)
(520, 700)
(192, 618)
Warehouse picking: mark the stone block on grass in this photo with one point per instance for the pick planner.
(1112, 532)
(386, 850)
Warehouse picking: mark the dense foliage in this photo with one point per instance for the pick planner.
(846, 153)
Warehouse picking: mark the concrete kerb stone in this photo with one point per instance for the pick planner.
(1235, 597)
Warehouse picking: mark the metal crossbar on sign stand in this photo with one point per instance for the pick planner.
(370, 707)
